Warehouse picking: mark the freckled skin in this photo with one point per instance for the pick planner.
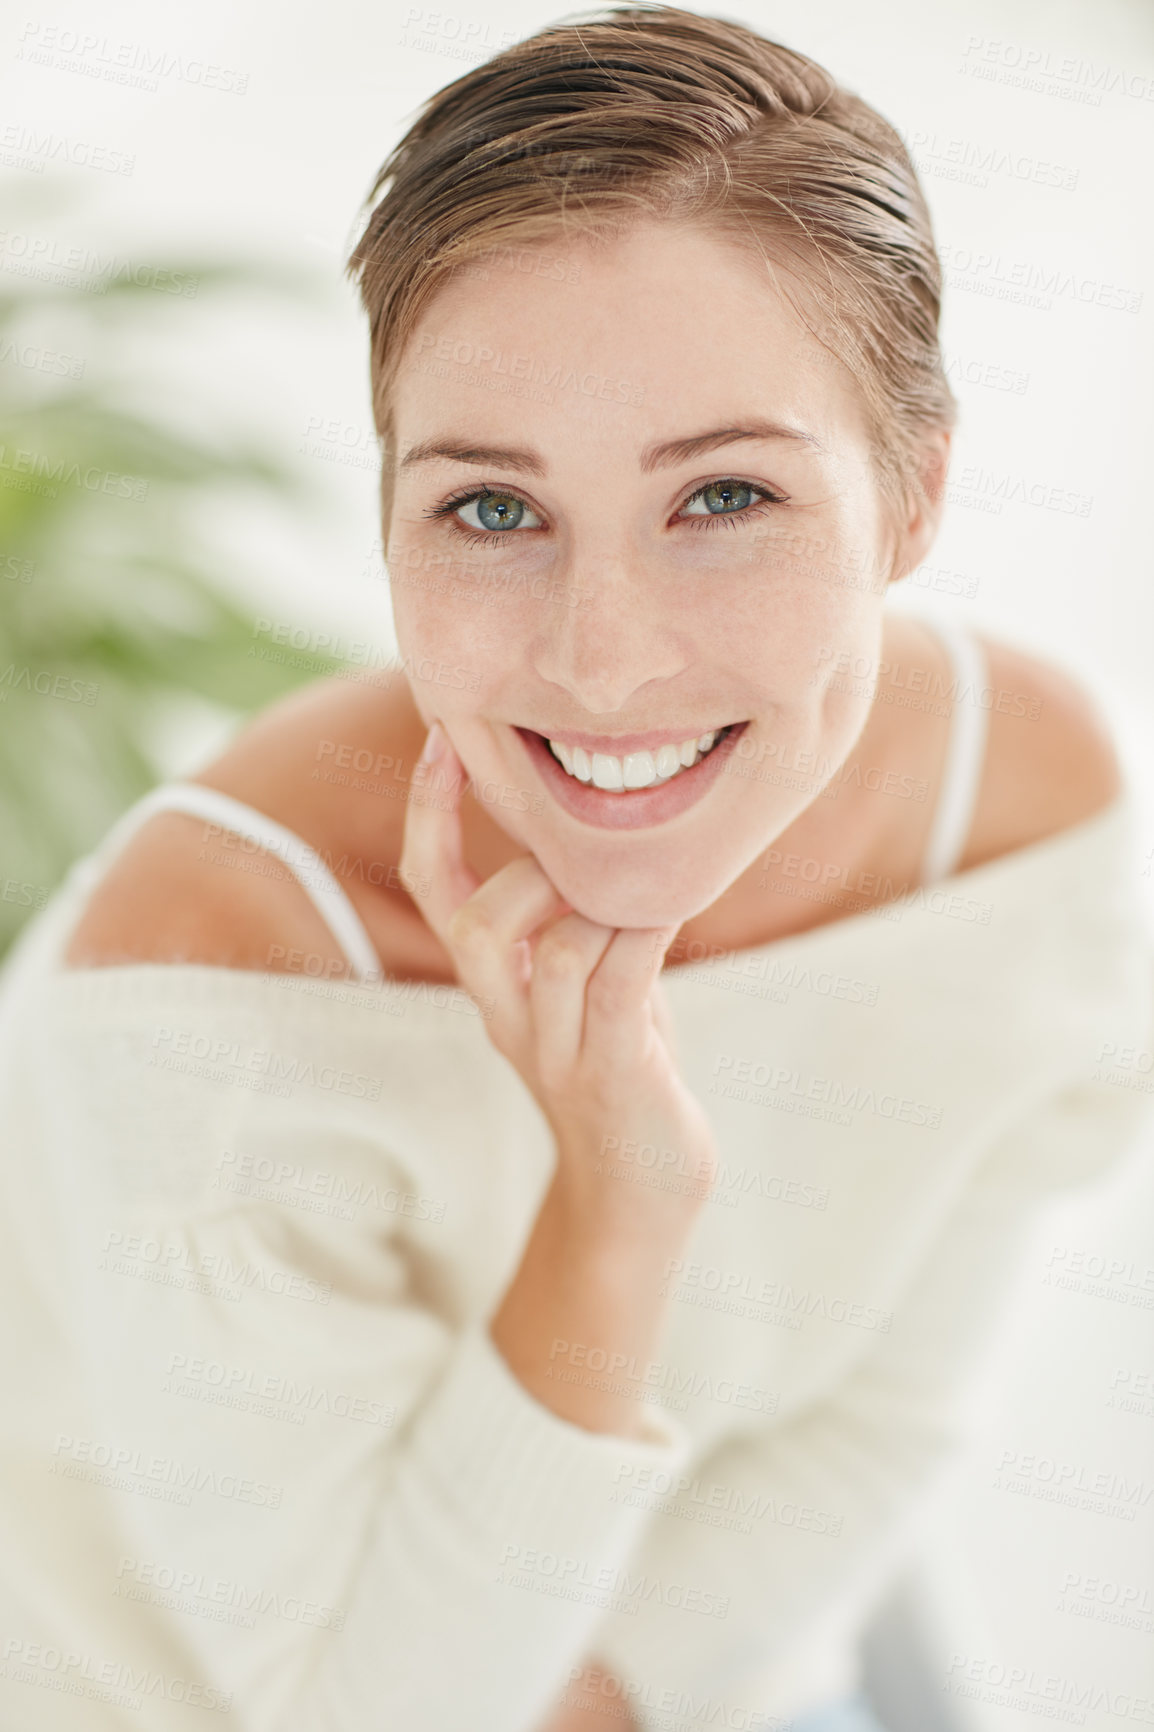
(686, 622)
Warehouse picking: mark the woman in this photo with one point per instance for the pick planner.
(515, 1164)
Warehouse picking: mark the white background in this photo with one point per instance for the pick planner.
(277, 171)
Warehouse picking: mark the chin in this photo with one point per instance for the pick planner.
(642, 905)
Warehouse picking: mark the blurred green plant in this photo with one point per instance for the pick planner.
(109, 608)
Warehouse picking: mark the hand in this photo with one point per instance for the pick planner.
(577, 1010)
(591, 1703)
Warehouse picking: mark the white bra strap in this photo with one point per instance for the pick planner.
(329, 899)
(965, 753)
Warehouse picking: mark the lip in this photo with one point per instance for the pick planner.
(640, 808)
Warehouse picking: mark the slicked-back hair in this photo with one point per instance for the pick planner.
(648, 111)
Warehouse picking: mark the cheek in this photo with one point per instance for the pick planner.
(439, 622)
(458, 651)
(844, 680)
(809, 667)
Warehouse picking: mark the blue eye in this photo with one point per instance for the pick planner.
(497, 511)
(721, 497)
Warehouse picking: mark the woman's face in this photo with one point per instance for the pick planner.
(633, 506)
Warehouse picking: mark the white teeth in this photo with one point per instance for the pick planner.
(607, 771)
(638, 769)
(635, 769)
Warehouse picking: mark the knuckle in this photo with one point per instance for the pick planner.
(609, 996)
(469, 929)
(558, 958)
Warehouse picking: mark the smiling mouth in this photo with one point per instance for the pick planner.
(635, 772)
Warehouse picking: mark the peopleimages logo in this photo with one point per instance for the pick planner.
(262, 1174)
(79, 267)
(520, 1565)
(32, 150)
(225, 1056)
(132, 63)
(1048, 1694)
(1030, 283)
(531, 368)
(1028, 66)
(54, 472)
(974, 161)
(171, 1263)
(270, 1393)
(117, 1682)
(686, 1496)
(123, 1465)
(185, 1590)
(683, 1279)
(854, 1096)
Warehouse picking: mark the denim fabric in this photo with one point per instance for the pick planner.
(851, 1714)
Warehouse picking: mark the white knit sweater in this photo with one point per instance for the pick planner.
(262, 1467)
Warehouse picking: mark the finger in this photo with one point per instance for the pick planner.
(663, 1017)
(483, 925)
(564, 956)
(432, 850)
(616, 1032)
(488, 938)
(510, 904)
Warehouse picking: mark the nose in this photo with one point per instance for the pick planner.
(604, 638)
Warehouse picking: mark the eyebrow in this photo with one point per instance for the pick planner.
(661, 456)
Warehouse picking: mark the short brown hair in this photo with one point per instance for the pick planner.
(651, 111)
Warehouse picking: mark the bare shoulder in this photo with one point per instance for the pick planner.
(173, 894)
(1050, 761)
(183, 891)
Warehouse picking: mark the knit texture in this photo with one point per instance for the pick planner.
(261, 1454)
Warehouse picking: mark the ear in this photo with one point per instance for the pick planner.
(926, 503)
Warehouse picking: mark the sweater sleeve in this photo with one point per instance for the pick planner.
(835, 1491)
(300, 1486)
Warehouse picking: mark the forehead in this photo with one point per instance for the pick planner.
(661, 323)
